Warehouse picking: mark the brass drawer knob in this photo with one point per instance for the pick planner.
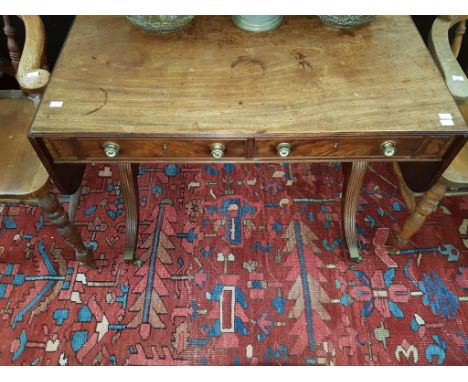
(283, 149)
(217, 150)
(111, 149)
(388, 148)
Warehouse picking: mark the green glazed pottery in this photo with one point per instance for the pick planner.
(343, 21)
(257, 23)
(160, 23)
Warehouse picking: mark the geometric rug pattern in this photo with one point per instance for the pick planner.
(243, 264)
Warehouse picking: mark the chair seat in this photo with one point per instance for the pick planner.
(22, 172)
(457, 172)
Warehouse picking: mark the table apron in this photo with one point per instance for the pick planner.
(196, 150)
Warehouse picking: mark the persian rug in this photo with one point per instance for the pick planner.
(242, 265)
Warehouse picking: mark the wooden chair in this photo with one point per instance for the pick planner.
(23, 177)
(456, 175)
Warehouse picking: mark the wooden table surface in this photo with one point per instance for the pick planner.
(216, 79)
(124, 96)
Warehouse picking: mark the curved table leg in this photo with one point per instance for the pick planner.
(353, 176)
(128, 182)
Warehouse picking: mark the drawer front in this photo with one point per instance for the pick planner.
(418, 147)
(94, 149)
(260, 149)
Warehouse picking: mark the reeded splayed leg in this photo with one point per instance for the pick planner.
(406, 193)
(426, 205)
(57, 215)
(128, 181)
(353, 177)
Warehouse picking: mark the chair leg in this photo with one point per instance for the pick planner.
(55, 212)
(427, 205)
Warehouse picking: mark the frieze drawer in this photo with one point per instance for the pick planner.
(381, 148)
(146, 149)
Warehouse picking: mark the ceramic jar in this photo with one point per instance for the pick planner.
(160, 23)
(343, 21)
(257, 23)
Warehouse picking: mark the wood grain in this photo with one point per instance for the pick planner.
(57, 215)
(332, 94)
(13, 47)
(22, 172)
(90, 149)
(31, 75)
(456, 173)
(424, 207)
(23, 177)
(456, 80)
(353, 177)
(454, 167)
(128, 181)
(213, 78)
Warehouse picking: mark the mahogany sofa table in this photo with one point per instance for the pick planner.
(216, 93)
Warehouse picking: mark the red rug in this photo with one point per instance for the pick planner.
(243, 265)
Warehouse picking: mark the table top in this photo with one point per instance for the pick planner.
(214, 79)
